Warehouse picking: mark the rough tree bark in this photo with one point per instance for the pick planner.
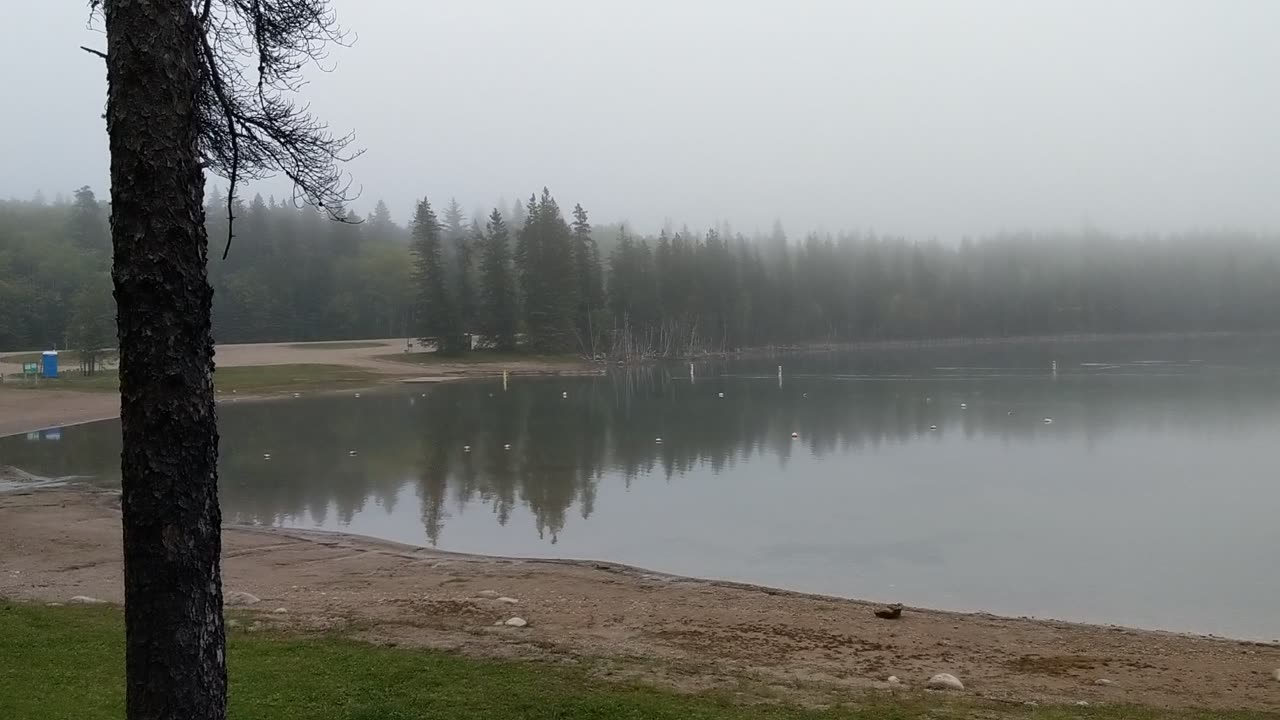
(173, 590)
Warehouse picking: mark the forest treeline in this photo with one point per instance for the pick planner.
(532, 276)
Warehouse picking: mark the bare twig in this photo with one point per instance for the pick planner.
(91, 51)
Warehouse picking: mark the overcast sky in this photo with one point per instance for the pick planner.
(922, 118)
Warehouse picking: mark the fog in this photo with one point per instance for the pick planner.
(929, 119)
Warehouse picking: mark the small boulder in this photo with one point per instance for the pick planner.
(280, 611)
(893, 680)
(1082, 703)
(1103, 681)
(944, 681)
(516, 622)
(237, 598)
(489, 594)
(86, 600)
(508, 600)
(890, 612)
(1275, 675)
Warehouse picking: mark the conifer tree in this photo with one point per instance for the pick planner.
(498, 311)
(437, 318)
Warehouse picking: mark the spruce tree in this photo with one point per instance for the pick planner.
(498, 309)
(590, 290)
(437, 318)
(544, 254)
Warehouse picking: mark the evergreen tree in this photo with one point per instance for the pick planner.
(437, 318)
(88, 225)
(465, 250)
(498, 311)
(590, 290)
(545, 256)
(519, 215)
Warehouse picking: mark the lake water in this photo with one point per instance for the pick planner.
(929, 477)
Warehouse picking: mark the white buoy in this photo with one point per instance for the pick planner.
(691, 373)
(297, 394)
(357, 394)
(466, 448)
(505, 375)
(795, 434)
(1048, 421)
(507, 446)
(721, 394)
(658, 440)
(1055, 367)
(964, 406)
(1010, 412)
(266, 456)
(565, 394)
(933, 427)
(352, 453)
(804, 394)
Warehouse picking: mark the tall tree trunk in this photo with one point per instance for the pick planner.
(175, 641)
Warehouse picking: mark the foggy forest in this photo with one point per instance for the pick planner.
(533, 276)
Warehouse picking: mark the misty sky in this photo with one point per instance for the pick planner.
(923, 118)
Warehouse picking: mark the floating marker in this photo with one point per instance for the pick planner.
(933, 427)
(1010, 412)
(1055, 367)
(658, 440)
(721, 394)
(964, 406)
(507, 446)
(357, 394)
(565, 394)
(352, 453)
(297, 394)
(505, 375)
(691, 373)
(466, 448)
(266, 456)
(804, 394)
(1048, 421)
(795, 434)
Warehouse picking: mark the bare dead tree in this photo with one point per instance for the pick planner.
(193, 86)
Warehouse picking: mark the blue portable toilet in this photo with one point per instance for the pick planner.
(49, 363)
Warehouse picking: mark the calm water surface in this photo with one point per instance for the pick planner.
(925, 476)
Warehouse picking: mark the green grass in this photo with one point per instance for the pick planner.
(336, 345)
(261, 379)
(58, 663)
(481, 357)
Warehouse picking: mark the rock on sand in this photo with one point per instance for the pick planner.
(236, 598)
(944, 681)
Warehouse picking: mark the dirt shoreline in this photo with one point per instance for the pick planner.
(633, 624)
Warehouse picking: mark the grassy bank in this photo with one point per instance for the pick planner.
(262, 379)
(68, 663)
(484, 357)
(336, 345)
